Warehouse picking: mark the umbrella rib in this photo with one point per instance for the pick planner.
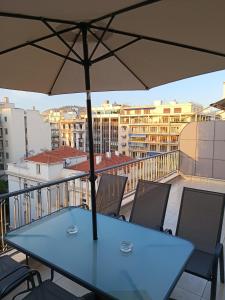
(124, 10)
(122, 62)
(36, 18)
(161, 41)
(28, 43)
(60, 70)
(101, 37)
(62, 40)
(113, 51)
(55, 53)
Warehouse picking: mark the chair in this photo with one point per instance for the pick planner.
(200, 221)
(150, 202)
(12, 274)
(110, 194)
(50, 291)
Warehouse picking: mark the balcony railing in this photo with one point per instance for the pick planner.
(24, 206)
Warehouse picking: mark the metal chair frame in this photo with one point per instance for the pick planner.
(218, 254)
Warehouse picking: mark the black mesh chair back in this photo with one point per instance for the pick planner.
(49, 290)
(12, 274)
(150, 202)
(110, 194)
(200, 218)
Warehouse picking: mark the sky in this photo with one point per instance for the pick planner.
(204, 89)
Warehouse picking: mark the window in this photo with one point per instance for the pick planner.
(177, 110)
(38, 169)
(153, 129)
(166, 110)
(6, 143)
(7, 155)
(6, 130)
(147, 111)
(173, 148)
(152, 147)
(152, 138)
(163, 129)
(5, 119)
(174, 139)
(163, 148)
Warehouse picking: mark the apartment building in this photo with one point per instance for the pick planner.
(80, 134)
(145, 130)
(136, 131)
(53, 117)
(105, 127)
(67, 132)
(22, 133)
(69, 127)
(62, 124)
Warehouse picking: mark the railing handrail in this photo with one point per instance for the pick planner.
(134, 161)
(58, 181)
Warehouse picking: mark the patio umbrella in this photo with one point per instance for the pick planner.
(47, 46)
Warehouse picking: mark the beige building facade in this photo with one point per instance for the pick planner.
(62, 122)
(135, 131)
(145, 130)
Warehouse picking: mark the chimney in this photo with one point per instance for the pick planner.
(108, 154)
(98, 159)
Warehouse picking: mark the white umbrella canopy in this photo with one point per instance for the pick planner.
(57, 47)
(174, 34)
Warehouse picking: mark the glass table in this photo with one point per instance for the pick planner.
(149, 271)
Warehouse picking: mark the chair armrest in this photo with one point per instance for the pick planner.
(168, 231)
(30, 273)
(15, 270)
(84, 206)
(117, 216)
(120, 217)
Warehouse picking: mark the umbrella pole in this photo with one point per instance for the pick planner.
(90, 133)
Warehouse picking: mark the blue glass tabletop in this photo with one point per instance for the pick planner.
(149, 271)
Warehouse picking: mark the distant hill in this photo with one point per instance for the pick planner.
(66, 108)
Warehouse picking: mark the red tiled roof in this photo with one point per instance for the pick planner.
(106, 162)
(57, 155)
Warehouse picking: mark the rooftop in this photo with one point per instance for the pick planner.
(56, 156)
(104, 162)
